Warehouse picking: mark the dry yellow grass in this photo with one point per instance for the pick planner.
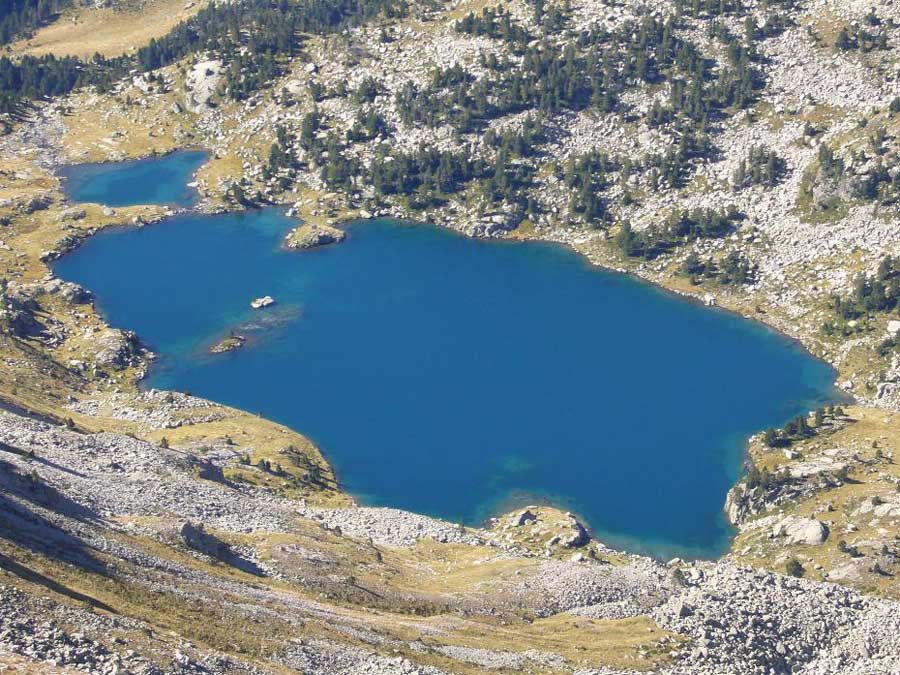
(111, 32)
(874, 475)
(40, 379)
(127, 125)
(635, 644)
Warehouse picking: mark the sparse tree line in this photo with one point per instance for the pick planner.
(679, 228)
(18, 18)
(799, 428)
(865, 37)
(588, 70)
(494, 23)
(872, 294)
(734, 269)
(761, 167)
(252, 36)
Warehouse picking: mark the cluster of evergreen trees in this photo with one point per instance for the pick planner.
(799, 428)
(586, 176)
(830, 166)
(733, 270)
(874, 294)
(761, 167)
(865, 38)
(428, 176)
(39, 77)
(425, 177)
(880, 182)
(795, 430)
(494, 23)
(588, 71)
(280, 157)
(369, 124)
(679, 228)
(763, 478)
(251, 35)
(670, 169)
(20, 17)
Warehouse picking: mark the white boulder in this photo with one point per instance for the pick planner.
(798, 530)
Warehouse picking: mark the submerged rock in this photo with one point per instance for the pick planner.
(307, 236)
(228, 344)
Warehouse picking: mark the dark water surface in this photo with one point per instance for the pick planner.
(458, 377)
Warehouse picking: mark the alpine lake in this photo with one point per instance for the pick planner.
(451, 376)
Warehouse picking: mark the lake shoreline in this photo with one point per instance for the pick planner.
(568, 246)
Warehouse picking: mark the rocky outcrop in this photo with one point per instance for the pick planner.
(797, 530)
(17, 314)
(202, 83)
(69, 292)
(737, 504)
(196, 537)
(36, 203)
(880, 507)
(117, 349)
(309, 236)
(542, 530)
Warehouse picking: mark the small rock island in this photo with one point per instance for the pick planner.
(228, 344)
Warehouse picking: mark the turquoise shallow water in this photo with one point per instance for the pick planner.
(144, 181)
(457, 377)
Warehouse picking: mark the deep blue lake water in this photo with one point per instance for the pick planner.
(458, 377)
(144, 181)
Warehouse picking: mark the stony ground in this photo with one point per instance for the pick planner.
(111, 546)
